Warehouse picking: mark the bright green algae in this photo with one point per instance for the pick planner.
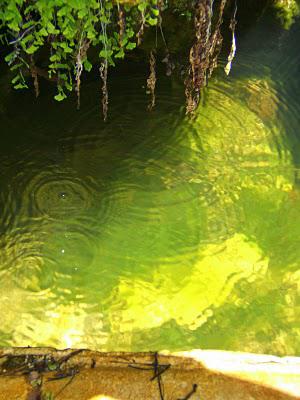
(154, 230)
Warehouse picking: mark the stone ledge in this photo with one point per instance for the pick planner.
(27, 373)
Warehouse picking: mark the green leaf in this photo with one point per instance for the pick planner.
(66, 48)
(108, 5)
(87, 65)
(131, 46)
(54, 57)
(120, 54)
(152, 21)
(142, 6)
(16, 79)
(43, 32)
(82, 14)
(130, 33)
(105, 53)
(16, 66)
(124, 41)
(56, 65)
(21, 86)
(104, 19)
(51, 28)
(27, 38)
(91, 34)
(63, 11)
(31, 49)
(10, 57)
(69, 86)
(60, 96)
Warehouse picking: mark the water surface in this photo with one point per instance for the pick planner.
(156, 231)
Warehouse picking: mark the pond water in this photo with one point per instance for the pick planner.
(157, 231)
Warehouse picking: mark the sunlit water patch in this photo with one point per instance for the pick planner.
(155, 230)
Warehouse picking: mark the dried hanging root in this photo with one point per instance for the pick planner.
(205, 51)
(167, 59)
(199, 54)
(103, 74)
(34, 74)
(191, 100)
(140, 33)
(151, 81)
(121, 23)
(216, 40)
(79, 69)
(81, 55)
(232, 26)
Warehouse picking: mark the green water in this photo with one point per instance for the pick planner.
(154, 231)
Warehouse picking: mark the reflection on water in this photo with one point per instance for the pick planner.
(155, 231)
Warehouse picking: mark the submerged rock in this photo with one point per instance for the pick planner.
(261, 99)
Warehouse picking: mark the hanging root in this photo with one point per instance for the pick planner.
(103, 74)
(121, 23)
(206, 49)
(151, 81)
(199, 54)
(79, 69)
(216, 41)
(34, 74)
(81, 55)
(232, 26)
(140, 33)
(169, 64)
(167, 59)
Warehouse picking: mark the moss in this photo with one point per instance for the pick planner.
(287, 11)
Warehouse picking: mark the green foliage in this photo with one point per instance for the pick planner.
(68, 28)
(182, 7)
(287, 11)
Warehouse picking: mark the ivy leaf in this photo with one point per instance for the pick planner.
(16, 66)
(16, 79)
(131, 46)
(60, 96)
(69, 86)
(82, 14)
(124, 41)
(43, 32)
(63, 11)
(105, 53)
(142, 6)
(108, 5)
(10, 57)
(51, 28)
(91, 34)
(31, 49)
(130, 33)
(152, 21)
(104, 19)
(66, 48)
(120, 54)
(21, 86)
(87, 65)
(55, 57)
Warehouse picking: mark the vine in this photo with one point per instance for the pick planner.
(68, 28)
